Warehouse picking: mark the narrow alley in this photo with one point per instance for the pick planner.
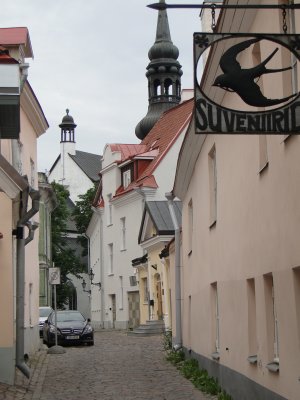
(117, 367)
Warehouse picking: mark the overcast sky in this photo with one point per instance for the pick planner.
(90, 56)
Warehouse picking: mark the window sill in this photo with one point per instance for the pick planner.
(285, 138)
(213, 224)
(109, 225)
(215, 356)
(264, 167)
(190, 253)
(111, 274)
(252, 359)
(273, 366)
(123, 250)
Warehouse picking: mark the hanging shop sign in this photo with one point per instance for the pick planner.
(248, 80)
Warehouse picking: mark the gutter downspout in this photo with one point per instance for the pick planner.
(178, 338)
(20, 275)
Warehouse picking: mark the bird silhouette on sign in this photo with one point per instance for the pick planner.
(241, 80)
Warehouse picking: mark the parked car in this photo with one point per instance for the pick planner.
(44, 314)
(72, 328)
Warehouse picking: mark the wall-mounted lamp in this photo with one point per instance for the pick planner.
(83, 284)
(92, 276)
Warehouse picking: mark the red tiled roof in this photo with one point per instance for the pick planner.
(161, 138)
(166, 131)
(127, 150)
(16, 36)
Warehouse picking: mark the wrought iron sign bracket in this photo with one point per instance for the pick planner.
(164, 6)
(214, 6)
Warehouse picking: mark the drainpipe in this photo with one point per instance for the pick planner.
(178, 338)
(20, 275)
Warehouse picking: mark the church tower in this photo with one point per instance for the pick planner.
(163, 74)
(67, 145)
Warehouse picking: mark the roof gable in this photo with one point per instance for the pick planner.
(89, 163)
(157, 219)
(159, 141)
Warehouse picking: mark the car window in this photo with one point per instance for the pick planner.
(44, 312)
(69, 316)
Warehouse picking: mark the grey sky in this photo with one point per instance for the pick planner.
(91, 56)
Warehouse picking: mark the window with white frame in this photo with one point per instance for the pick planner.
(271, 318)
(190, 226)
(19, 160)
(110, 258)
(126, 178)
(109, 213)
(145, 290)
(32, 173)
(216, 317)
(123, 233)
(121, 293)
(212, 171)
(252, 330)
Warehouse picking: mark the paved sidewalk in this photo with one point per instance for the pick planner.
(118, 367)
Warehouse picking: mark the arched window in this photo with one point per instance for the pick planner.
(168, 87)
(157, 88)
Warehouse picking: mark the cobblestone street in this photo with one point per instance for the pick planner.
(118, 367)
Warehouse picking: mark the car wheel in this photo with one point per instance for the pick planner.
(91, 343)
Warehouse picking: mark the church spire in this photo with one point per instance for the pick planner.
(163, 74)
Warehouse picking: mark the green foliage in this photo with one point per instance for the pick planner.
(167, 340)
(190, 370)
(175, 357)
(82, 214)
(63, 256)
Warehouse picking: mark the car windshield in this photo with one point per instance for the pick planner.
(66, 316)
(44, 312)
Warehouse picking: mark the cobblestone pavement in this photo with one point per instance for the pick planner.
(118, 367)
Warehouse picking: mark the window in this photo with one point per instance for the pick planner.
(32, 173)
(271, 319)
(297, 297)
(263, 152)
(18, 159)
(252, 334)
(145, 290)
(110, 258)
(190, 226)
(126, 178)
(109, 214)
(121, 293)
(212, 171)
(215, 320)
(123, 233)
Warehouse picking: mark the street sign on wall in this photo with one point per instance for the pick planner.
(256, 111)
(54, 276)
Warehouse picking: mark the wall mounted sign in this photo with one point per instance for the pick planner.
(242, 93)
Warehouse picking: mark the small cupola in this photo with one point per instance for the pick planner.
(67, 128)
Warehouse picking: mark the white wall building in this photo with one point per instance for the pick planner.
(130, 175)
(77, 171)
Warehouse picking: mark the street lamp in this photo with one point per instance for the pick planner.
(83, 284)
(92, 276)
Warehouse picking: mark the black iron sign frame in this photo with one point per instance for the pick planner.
(211, 117)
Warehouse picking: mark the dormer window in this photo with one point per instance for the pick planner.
(126, 178)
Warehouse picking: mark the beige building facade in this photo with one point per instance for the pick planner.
(240, 256)
(19, 263)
